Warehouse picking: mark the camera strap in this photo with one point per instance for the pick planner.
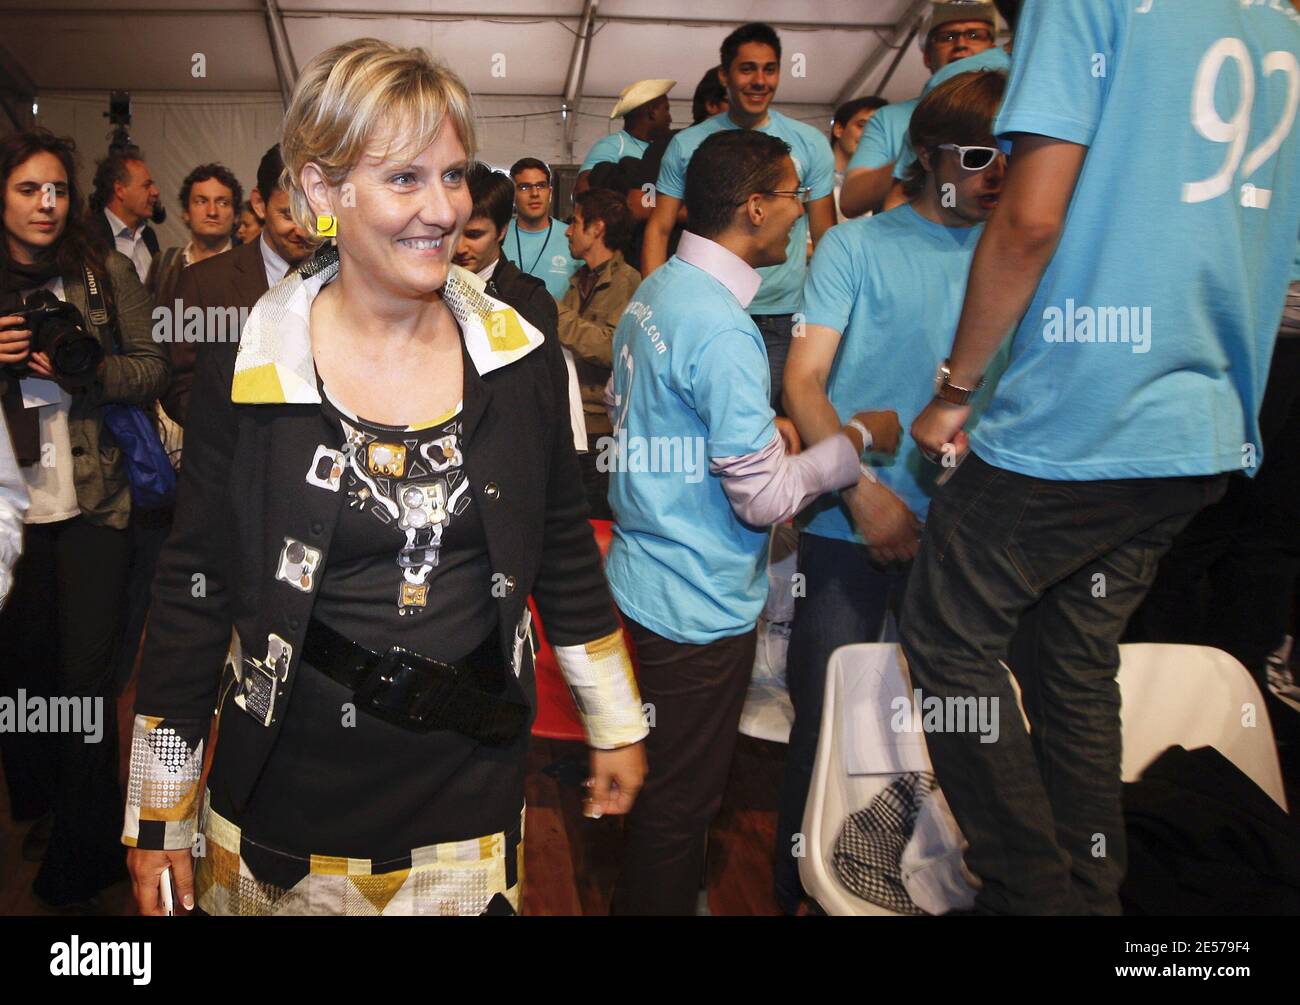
(98, 314)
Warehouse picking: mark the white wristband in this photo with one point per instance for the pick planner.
(866, 433)
(867, 473)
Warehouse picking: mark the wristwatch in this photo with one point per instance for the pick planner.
(946, 390)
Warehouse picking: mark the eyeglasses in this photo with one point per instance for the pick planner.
(970, 35)
(973, 158)
(533, 186)
(802, 194)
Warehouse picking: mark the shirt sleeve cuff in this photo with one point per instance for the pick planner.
(599, 675)
(162, 804)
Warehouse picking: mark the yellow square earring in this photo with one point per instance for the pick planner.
(327, 225)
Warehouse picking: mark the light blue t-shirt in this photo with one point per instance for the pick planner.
(995, 58)
(782, 284)
(882, 138)
(1145, 350)
(691, 383)
(613, 148)
(545, 257)
(892, 285)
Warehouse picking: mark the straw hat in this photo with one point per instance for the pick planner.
(635, 95)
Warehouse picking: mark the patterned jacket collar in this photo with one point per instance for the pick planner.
(275, 367)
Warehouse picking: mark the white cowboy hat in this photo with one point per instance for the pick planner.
(635, 95)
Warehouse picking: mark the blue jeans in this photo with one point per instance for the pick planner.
(1043, 815)
(777, 330)
(845, 602)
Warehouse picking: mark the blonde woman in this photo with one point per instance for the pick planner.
(385, 474)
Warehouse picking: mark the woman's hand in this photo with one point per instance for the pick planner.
(38, 364)
(146, 868)
(616, 777)
(15, 343)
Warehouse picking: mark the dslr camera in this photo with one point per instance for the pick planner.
(59, 331)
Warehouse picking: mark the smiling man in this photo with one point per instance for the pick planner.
(688, 562)
(751, 71)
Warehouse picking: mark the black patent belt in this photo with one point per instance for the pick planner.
(419, 693)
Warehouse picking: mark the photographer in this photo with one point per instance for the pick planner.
(59, 627)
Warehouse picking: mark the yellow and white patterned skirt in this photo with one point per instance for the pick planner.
(237, 876)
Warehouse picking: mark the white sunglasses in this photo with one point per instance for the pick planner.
(973, 158)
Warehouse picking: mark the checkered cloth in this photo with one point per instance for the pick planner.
(871, 842)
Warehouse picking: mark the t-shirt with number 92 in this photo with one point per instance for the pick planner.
(1145, 350)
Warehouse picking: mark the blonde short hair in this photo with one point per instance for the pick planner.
(355, 93)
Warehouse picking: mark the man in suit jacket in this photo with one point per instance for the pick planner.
(121, 205)
(236, 278)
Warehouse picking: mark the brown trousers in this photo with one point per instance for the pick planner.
(697, 693)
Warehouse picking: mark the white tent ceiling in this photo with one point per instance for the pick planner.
(139, 45)
(522, 59)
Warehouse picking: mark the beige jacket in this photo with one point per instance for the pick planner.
(587, 326)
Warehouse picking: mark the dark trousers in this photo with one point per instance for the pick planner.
(594, 481)
(697, 693)
(777, 330)
(845, 602)
(58, 637)
(1230, 578)
(1043, 816)
(148, 531)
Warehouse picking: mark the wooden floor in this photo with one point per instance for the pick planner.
(570, 862)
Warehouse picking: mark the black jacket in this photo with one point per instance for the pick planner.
(1205, 840)
(243, 492)
(104, 233)
(526, 293)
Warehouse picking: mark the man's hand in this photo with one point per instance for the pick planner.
(616, 778)
(890, 529)
(789, 435)
(885, 430)
(940, 425)
(146, 868)
(15, 343)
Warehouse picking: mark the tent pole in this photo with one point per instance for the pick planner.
(900, 41)
(898, 58)
(285, 68)
(577, 74)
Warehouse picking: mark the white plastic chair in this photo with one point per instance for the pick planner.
(1186, 695)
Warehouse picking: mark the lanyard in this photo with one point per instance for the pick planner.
(519, 248)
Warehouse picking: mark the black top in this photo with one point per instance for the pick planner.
(408, 566)
(409, 563)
